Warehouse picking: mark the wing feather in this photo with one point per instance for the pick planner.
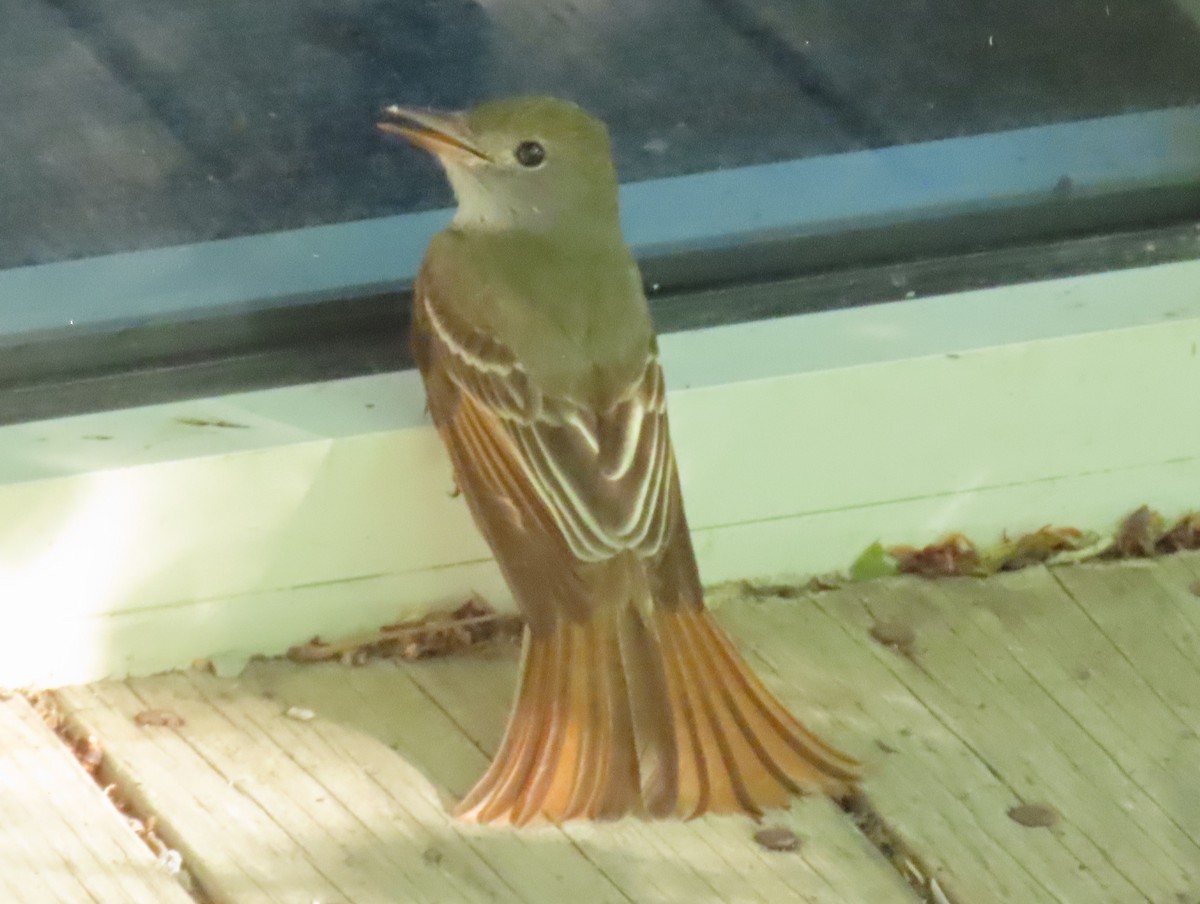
(603, 476)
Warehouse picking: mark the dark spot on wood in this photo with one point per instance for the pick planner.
(894, 635)
(98, 437)
(777, 838)
(205, 422)
(1034, 816)
(159, 717)
(432, 856)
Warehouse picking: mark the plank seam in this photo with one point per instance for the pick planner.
(233, 781)
(884, 657)
(916, 871)
(1069, 758)
(1166, 704)
(70, 730)
(1153, 690)
(369, 776)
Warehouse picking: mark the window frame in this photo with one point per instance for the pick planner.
(716, 248)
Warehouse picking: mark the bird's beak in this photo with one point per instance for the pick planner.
(443, 134)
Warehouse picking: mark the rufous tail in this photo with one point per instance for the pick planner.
(651, 713)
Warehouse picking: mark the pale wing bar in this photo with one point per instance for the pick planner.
(604, 478)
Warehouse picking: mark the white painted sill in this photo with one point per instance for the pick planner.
(140, 540)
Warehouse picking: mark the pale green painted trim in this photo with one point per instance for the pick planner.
(800, 441)
(759, 350)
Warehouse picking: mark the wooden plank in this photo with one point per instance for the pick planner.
(1026, 714)
(61, 839)
(352, 804)
(1150, 638)
(374, 715)
(267, 808)
(230, 845)
(933, 785)
(1014, 694)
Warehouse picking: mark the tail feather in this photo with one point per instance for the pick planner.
(558, 747)
(619, 775)
(656, 714)
(578, 789)
(758, 783)
(651, 722)
(792, 747)
(514, 759)
(692, 781)
(790, 758)
(584, 738)
(714, 765)
(568, 751)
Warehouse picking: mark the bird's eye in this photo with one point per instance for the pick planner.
(530, 154)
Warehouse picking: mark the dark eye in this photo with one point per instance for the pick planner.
(530, 154)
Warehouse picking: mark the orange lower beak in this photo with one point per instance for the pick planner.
(442, 134)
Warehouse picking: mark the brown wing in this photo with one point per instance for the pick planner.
(546, 477)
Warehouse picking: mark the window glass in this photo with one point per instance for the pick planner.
(129, 124)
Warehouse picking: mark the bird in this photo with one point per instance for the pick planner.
(533, 336)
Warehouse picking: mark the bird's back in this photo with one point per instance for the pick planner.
(573, 314)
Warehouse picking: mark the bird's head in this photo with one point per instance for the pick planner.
(535, 163)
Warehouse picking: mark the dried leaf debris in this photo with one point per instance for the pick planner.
(163, 718)
(953, 555)
(89, 751)
(1143, 533)
(921, 877)
(1185, 535)
(437, 634)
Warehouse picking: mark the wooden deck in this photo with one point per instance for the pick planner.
(1072, 692)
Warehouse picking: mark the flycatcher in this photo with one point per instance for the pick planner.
(541, 366)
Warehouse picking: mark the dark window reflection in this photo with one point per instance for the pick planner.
(128, 124)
